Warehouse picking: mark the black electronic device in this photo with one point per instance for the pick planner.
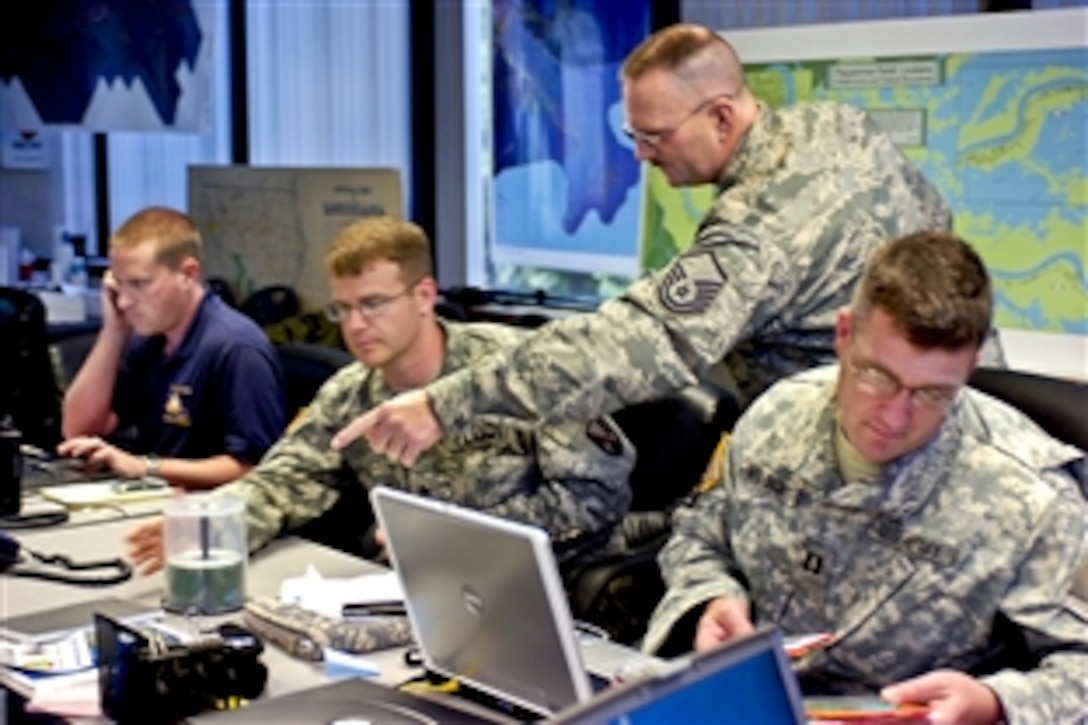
(11, 469)
(145, 678)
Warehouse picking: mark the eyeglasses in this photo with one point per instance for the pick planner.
(368, 307)
(655, 138)
(884, 386)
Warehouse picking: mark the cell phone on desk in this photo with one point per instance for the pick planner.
(390, 608)
(862, 709)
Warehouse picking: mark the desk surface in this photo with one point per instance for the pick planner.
(283, 558)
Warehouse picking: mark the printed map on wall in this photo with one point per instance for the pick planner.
(557, 134)
(1002, 134)
(108, 65)
(271, 226)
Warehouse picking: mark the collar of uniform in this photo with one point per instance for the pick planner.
(379, 389)
(809, 465)
(456, 356)
(911, 479)
(192, 335)
(761, 148)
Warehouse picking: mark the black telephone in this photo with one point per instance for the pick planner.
(17, 560)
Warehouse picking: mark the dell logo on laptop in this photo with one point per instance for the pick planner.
(474, 603)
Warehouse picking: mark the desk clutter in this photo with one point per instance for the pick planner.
(120, 658)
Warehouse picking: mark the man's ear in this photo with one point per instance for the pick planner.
(190, 267)
(844, 327)
(427, 292)
(726, 116)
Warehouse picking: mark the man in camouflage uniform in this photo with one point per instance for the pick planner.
(570, 480)
(806, 194)
(934, 530)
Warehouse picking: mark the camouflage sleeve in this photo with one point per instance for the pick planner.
(697, 562)
(1054, 619)
(297, 479)
(583, 486)
(659, 336)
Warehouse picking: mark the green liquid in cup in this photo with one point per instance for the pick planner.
(208, 585)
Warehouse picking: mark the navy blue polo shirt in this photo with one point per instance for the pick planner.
(220, 392)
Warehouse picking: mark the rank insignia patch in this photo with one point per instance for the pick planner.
(692, 283)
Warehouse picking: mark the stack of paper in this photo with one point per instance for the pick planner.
(328, 596)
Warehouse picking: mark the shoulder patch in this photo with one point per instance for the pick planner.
(604, 435)
(691, 283)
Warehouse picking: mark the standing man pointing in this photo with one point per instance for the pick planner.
(806, 194)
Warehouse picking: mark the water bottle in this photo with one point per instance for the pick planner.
(77, 271)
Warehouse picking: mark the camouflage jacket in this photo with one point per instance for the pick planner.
(571, 479)
(961, 557)
(810, 192)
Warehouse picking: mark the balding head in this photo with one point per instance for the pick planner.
(687, 106)
(695, 55)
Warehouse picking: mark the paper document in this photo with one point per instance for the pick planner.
(328, 596)
(61, 656)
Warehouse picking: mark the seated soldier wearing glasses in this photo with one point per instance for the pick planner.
(570, 480)
(935, 531)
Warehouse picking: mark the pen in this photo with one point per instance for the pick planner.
(373, 609)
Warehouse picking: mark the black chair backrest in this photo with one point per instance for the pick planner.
(223, 290)
(271, 304)
(68, 355)
(1060, 407)
(28, 391)
(675, 437)
(305, 369)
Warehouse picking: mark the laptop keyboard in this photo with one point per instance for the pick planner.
(39, 474)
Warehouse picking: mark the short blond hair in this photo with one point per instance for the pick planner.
(376, 238)
(173, 234)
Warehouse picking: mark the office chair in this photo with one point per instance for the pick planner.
(67, 355)
(28, 391)
(674, 438)
(1060, 407)
(223, 290)
(306, 367)
(271, 304)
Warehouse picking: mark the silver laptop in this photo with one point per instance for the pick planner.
(747, 680)
(486, 605)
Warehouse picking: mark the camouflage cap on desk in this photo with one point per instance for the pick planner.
(305, 634)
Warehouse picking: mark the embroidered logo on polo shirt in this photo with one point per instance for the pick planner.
(175, 412)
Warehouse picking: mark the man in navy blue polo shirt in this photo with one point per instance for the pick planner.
(197, 383)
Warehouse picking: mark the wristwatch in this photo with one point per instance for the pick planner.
(151, 465)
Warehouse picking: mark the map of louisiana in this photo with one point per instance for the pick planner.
(1002, 134)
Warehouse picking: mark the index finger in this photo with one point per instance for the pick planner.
(354, 430)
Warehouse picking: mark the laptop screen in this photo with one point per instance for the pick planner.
(485, 600)
(746, 681)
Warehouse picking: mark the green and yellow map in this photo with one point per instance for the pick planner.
(1003, 135)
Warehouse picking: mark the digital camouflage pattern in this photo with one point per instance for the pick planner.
(809, 194)
(305, 634)
(962, 556)
(570, 479)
